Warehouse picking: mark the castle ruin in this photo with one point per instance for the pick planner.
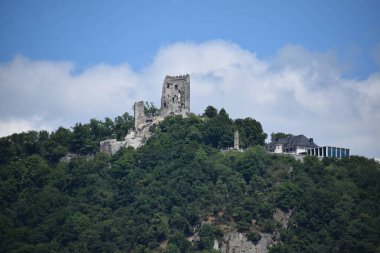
(175, 100)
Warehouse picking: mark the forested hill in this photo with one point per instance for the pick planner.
(154, 198)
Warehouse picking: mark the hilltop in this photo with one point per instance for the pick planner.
(180, 193)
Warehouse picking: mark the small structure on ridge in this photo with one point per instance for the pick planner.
(236, 140)
(301, 145)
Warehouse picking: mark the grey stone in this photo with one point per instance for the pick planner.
(236, 139)
(282, 217)
(111, 146)
(238, 243)
(175, 100)
(140, 117)
(69, 156)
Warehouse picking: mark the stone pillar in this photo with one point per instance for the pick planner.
(236, 140)
(139, 114)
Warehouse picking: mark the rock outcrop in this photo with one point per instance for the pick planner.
(111, 146)
(70, 156)
(282, 217)
(235, 242)
(135, 138)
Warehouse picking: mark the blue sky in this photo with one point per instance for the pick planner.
(89, 32)
(290, 64)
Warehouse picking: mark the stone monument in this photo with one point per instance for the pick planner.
(236, 139)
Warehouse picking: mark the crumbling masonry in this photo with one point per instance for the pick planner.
(175, 100)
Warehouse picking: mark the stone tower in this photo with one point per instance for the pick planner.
(175, 98)
(236, 140)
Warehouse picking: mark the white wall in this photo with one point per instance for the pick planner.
(278, 149)
(300, 150)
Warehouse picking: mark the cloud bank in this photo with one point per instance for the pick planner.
(296, 91)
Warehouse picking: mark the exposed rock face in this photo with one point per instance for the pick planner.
(111, 146)
(135, 139)
(235, 242)
(69, 156)
(282, 217)
(175, 100)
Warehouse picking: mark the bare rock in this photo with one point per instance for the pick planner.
(111, 146)
(282, 217)
(238, 243)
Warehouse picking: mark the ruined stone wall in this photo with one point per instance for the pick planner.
(140, 117)
(175, 98)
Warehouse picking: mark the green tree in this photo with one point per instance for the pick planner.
(81, 142)
(250, 132)
(274, 136)
(207, 235)
(122, 125)
(210, 112)
(150, 109)
(218, 131)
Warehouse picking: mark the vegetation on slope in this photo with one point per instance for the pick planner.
(154, 198)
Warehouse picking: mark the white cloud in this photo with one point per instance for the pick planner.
(295, 91)
(51, 91)
(8, 127)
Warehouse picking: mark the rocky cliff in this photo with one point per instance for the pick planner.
(135, 138)
(236, 242)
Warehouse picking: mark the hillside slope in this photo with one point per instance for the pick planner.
(177, 186)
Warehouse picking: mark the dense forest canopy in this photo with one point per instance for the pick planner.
(156, 197)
